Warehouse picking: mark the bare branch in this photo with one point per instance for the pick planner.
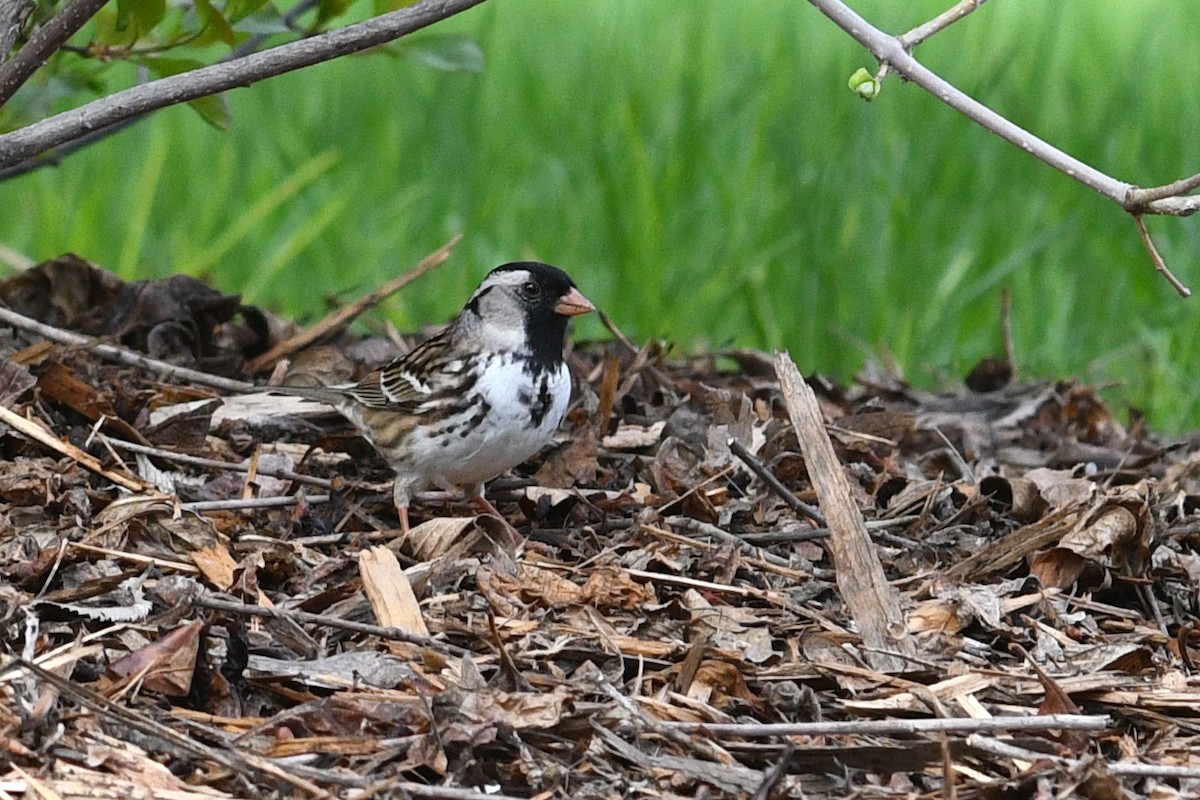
(1181, 187)
(13, 14)
(1159, 264)
(45, 134)
(939, 23)
(44, 43)
(891, 52)
(83, 142)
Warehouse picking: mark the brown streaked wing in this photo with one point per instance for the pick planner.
(390, 387)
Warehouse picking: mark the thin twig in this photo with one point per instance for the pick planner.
(1183, 186)
(772, 537)
(212, 463)
(250, 503)
(1128, 769)
(303, 617)
(712, 531)
(236, 762)
(1010, 350)
(120, 354)
(32, 430)
(939, 23)
(1159, 264)
(900, 727)
(341, 317)
(785, 494)
(616, 332)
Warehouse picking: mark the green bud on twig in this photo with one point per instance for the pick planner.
(863, 84)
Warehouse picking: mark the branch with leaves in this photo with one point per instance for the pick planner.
(42, 136)
(894, 54)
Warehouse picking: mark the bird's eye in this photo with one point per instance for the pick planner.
(531, 289)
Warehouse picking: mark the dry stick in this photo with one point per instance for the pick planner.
(785, 494)
(236, 762)
(341, 317)
(1123, 768)
(775, 775)
(617, 334)
(119, 354)
(1010, 350)
(705, 529)
(898, 727)
(32, 430)
(395, 634)
(212, 463)
(250, 503)
(873, 603)
(779, 537)
(1159, 264)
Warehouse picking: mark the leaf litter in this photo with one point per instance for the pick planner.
(205, 594)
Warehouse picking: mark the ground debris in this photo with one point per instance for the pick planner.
(240, 616)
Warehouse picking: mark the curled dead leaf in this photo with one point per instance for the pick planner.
(1099, 540)
(609, 587)
(166, 666)
(452, 537)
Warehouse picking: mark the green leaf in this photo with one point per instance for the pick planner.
(214, 110)
(384, 6)
(446, 53)
(240, 9)
(110, 26)
(144, 14)
(330, 9)
(215, 26)
(265, 23)
(162, 66)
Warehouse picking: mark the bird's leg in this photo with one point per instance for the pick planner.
(475, 493)
(401, 498)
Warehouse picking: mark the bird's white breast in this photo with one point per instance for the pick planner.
(523, 412)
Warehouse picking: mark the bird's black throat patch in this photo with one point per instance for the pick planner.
(546, 333)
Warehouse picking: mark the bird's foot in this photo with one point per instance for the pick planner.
(485, 506)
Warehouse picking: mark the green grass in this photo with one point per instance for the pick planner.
(703, 171)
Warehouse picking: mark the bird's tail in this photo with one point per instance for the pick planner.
(324, 394)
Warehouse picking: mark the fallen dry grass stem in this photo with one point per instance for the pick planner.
(303, 617)
(340, 318)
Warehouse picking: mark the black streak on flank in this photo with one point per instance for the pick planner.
(476, 420)
(538, 412)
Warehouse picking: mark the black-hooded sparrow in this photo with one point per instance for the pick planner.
(478, 398)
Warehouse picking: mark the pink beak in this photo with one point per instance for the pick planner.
(572, 304)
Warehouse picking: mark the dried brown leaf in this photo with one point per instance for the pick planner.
(167, 665)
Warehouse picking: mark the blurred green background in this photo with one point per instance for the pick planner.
(703, 171)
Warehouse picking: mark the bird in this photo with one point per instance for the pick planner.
(476, 399)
